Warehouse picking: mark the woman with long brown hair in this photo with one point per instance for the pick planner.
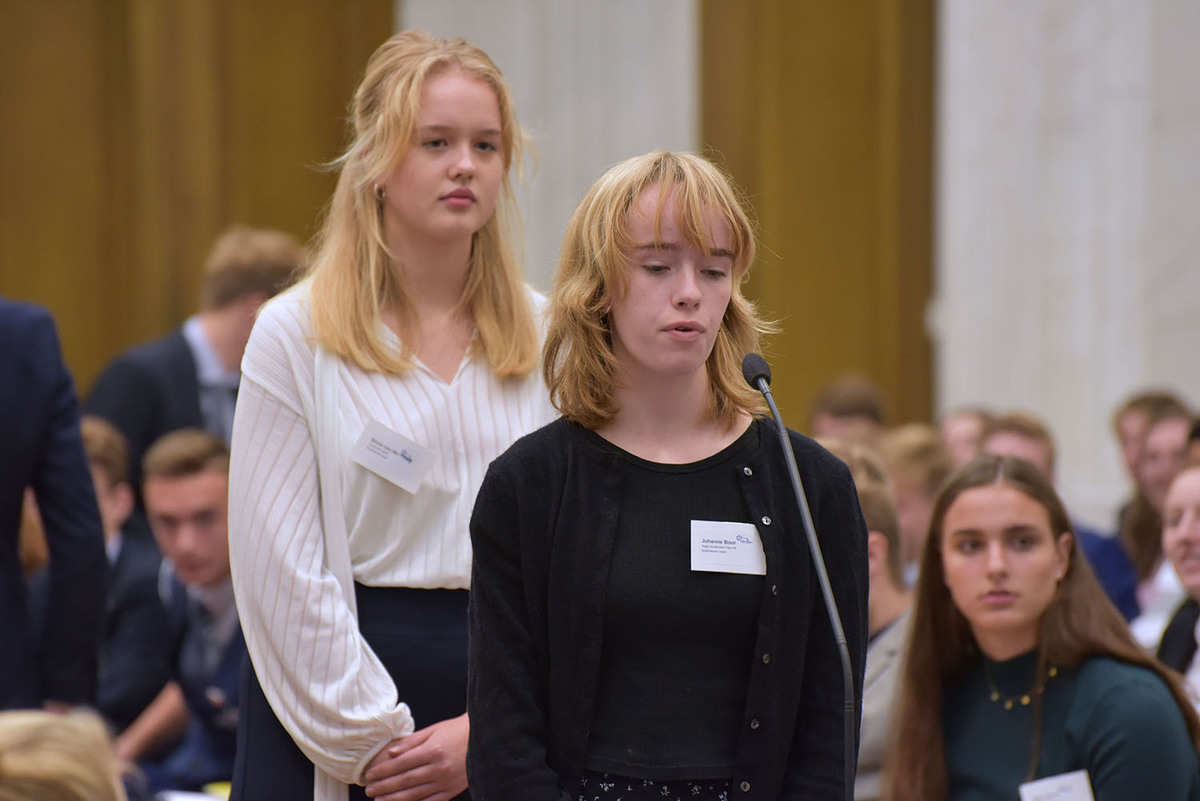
(1019, 668)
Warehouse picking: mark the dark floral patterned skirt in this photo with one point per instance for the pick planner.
(609, 787)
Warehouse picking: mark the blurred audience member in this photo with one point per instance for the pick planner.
(962, 433)
(1130, 419)
(1022, 436)
(189, 378)
(48, 757)
(849, 408)
(135, 650)
(1163, 450)
(887, 610)
(186, 489)
(135, 656)
(1193, 451)
(917, 465)
(1161, 455)
(1181, 544)
(865, 465)
(41, 447)
(1026, 437)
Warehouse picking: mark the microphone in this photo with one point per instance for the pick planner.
(755, 370)
(757, 373)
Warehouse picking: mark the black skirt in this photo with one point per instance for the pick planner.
(421, 638)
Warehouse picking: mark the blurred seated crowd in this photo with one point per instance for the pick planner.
(1147, 561)
(155, 433)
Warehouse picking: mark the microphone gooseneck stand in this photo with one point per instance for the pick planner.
(758, 375)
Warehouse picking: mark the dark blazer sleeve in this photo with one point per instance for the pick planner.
(126, 394)
(66, 499)
(507, 753)
(815, 769)
(136, 655)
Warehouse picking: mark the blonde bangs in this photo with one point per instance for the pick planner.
(578, 362)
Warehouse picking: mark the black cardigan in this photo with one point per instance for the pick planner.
(542, 533)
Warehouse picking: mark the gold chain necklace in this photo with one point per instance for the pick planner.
(1024, 699)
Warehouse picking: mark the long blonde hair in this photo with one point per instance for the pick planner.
(351, 279)
(578, 361)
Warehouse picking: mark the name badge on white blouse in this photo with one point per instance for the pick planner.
(723, 547)
(1073, 786)
(392, 456)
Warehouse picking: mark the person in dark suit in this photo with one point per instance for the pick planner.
(189, 378)
(135, 651)
(135, 656)
(40, 448)
(186, 490)
(1181, 544)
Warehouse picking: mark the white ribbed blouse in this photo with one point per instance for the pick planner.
(326, 685)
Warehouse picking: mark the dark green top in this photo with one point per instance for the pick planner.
(1118, 722)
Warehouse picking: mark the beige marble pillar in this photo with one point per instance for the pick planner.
(1068, 235)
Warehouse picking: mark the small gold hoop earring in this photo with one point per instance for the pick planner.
(380, 193)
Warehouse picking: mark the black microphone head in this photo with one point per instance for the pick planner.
(755, 367)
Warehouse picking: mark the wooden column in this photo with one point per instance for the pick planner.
(823, 111)
(134, 131)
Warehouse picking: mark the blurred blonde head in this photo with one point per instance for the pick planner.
(185, 452)
(961, 430)
(1024, 436)
(917, 464)
(246, 261)
(866, 466)
(914, 451)
(106, 448)
(849, 407)
(49, 757)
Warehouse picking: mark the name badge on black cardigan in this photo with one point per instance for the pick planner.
(723, 547)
